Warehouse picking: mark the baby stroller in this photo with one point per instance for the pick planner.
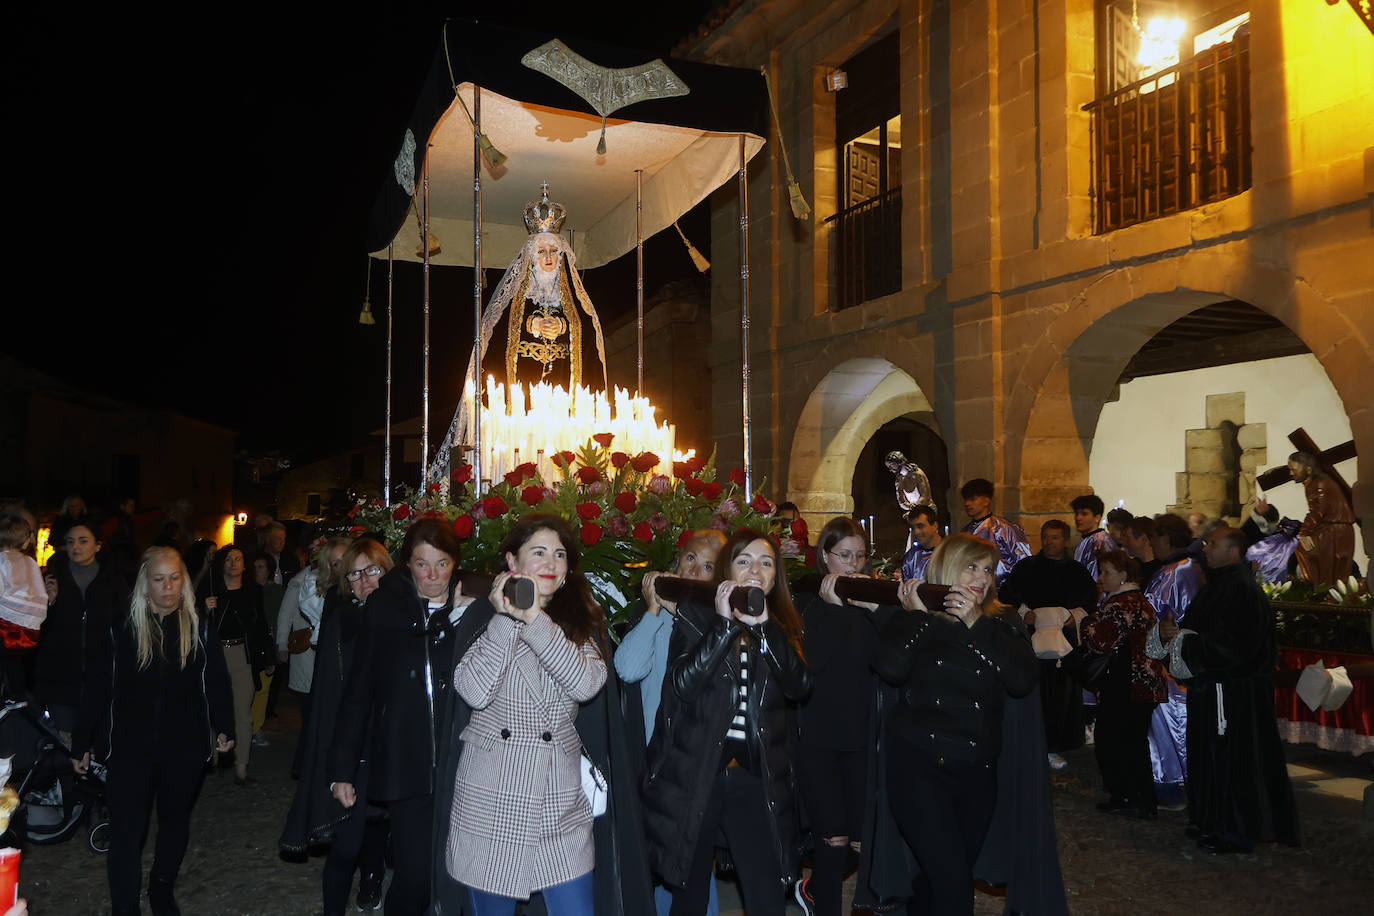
(54, 801)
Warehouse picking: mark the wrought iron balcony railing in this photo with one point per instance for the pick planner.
(867, 250)
(1173, 141)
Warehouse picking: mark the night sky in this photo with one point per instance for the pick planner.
(189, 203)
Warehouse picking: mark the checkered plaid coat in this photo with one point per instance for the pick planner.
(520, 822)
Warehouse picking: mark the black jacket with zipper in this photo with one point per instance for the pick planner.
(700, 697)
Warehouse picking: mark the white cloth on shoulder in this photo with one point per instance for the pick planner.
(1048, 639)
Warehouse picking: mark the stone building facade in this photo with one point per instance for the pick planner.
(1015, 313)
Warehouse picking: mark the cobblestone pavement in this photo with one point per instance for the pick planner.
(1110, 865)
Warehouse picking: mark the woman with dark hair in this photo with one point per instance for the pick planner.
(954, 666)
(1129, 691)
(199, 556)
(416, 626)
(356, 841)
(91, 596)
(721, 755)
(521, 823)
(232, 602)
(833, 735)
(162, 681)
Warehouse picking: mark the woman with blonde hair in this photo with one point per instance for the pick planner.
(163, 680)
(954, 665)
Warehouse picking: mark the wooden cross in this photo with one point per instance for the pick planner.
(1326, 460)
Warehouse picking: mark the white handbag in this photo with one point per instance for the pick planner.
(593, 785)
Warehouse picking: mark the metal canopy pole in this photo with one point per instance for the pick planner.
(744, 314)
(386, 446)
(639, 278)
(424, 392)
(476, 410)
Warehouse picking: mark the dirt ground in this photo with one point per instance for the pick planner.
(1110, 865)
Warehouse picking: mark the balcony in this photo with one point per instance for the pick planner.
(1175, 140)
(867, 245)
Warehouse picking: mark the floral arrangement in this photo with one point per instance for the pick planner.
(628, 518)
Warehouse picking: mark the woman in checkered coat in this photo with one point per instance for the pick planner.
(520, 823)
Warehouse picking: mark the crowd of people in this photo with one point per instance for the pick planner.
(495, 747)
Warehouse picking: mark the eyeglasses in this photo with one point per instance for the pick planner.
(353, 575)
(849, 556)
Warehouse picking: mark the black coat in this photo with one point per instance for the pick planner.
(398, 689)
(258, 646)
(1238, 781)
(315, 813)
(699, 702)
(195, 703)
(74, 631)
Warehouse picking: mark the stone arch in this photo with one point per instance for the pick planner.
(843, 411)
(1072, 369)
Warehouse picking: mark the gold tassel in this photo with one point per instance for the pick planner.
(366, 316)
(698, 258)
(493, 155)
(601, 144)
(800, 208)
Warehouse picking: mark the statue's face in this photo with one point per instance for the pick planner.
(546, 253)
(1298, 471)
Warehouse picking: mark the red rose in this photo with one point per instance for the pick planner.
(694, 486)
(532, 496)
(696, 463)
(737, 477)
(463, 526)
(588, 511)
(811, 557)
(563, 459)
(799, 530)
(681, 471)
(356, 530)
(684, 538)
(603, 439)
(591, 533)
(711, 490)
(619, 460)
(643, 532)
(434, 488)
(644, 461)
(401, 512)
(588, 474)
(513, 478)
(351, 512)
(626, 502)
(762, 506)
(494, 507)
(461, 474)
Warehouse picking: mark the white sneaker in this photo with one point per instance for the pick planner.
(1057, 762)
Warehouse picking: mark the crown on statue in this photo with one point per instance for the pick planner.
(544, 216)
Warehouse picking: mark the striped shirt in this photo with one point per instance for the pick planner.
(736, 730)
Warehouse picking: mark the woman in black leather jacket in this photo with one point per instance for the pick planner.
(954, 667)
(721, 753)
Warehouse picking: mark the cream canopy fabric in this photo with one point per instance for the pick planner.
(681, 166)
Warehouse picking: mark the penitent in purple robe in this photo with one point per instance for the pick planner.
(1093, 543)
(1010, 539)
(915, 562)
(1170, 592)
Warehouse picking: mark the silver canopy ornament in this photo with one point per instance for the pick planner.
(606, 89)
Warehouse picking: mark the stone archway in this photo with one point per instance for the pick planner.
(844, 410)
(1073, 368)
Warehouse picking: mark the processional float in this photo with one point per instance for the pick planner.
(572, 156)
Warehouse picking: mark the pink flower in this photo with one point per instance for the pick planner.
(660, 484)
(618, 526)
(658, 522)
(721, 523)
(790, 548)
(728, 508)
(596, 488)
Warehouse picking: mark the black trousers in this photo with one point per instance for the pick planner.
(412, 846)
(1122, 748)
(129, 790)
(358, 844)
(831, 782)
(737, 806)
(943, 811)
(1061, 701)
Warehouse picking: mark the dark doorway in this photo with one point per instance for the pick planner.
(873, 485)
